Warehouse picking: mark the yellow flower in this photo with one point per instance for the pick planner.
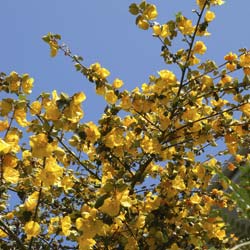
(150, 12)
(111, 206)
(150, 145)
(14, 81)
(114, 138)
(4, 125)
(12, 138)
(40, 145)
(131, 244)
(36, 107)
(178, 183)
(4, 147)
(101, 90)
(142, 23)
(225, 79)
(31, 202)
(209, 16)
(167, 77)
(164, 122)
(245, 60)
(165, 31)
(101, 73)
(67, 183)
(195, 199)
(185, 26)
(124, 198)
(74, 112)
(117, 83)
(156, 30)
(220, 234)
(174, 246)
(217, 2)
(53, 48)
(53, 225)
(231, 66)
(6, 106)
(52, 111)
(9, 216)
(230, 57)
(111, 97)
(11, 175)
(32, 229)
(9, 160)
(220, 103)
(85, 244)
(27, 84)
(231, 166)
(191, 114)
(125, 102)
(51, 174)
(140, 222)
(66, 225)
(3, 234)
(20, 116)
(200, 48)
(245, 109)
(92, 132)
(246, 70)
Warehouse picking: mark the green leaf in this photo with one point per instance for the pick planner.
(101, 200)
(143, 5)
(134, 9)
(46, 38)
(178, 16)
(57, 36)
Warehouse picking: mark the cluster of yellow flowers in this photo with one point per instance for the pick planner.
(88, 183)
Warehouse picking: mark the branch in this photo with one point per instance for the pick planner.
(12, 235)
(190, 48)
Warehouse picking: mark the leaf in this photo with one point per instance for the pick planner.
(100, 200)
(134, 9)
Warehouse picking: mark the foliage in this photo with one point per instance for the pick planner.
(134, 180)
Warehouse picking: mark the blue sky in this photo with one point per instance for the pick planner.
(102, 31)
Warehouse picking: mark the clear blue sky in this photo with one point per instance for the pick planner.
(101, 31)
